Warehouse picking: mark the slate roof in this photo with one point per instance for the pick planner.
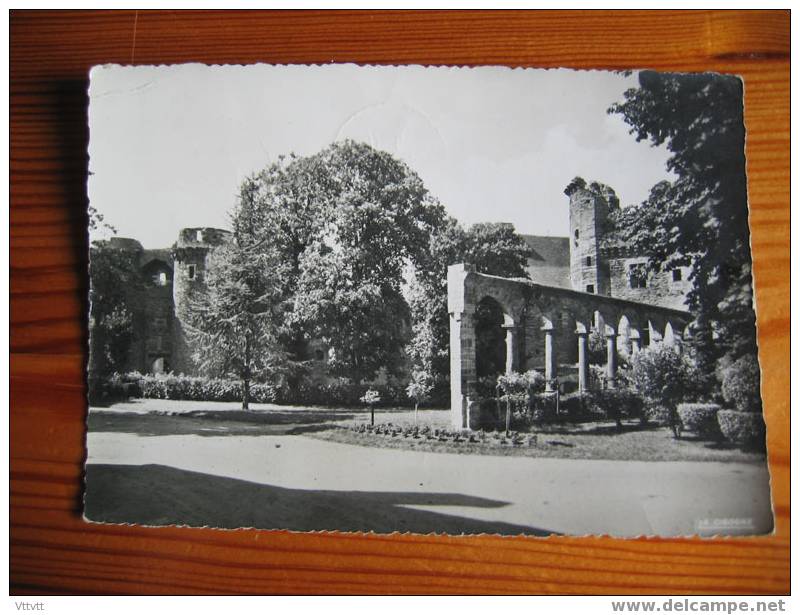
(553, 251)
(549, 261)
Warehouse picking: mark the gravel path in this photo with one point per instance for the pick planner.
(302, 483)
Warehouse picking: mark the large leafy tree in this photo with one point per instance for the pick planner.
(377, 222)
(700, 219)
(113, 280)
(235, 324)
(286, 210)
(367, 250)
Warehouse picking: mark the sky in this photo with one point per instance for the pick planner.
(170, 145)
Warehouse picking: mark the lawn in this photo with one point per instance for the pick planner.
(596, 440)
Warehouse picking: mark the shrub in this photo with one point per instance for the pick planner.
(662, 376)
(521, 383)
(700, 418)
(596, 347)
(741, 384)
(618, 404)
(578, 406)
(597, 377)
(745, 429)
(521, 390)
(194, 388)
(102, 392)
(659, 414)
(542, 408)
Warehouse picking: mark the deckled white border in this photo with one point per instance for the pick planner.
(400, 67)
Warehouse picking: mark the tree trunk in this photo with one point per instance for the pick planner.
(246, 379)
(372, 415)
(246, 394)
(416, 407)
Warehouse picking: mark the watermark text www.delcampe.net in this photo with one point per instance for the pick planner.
(686, 605)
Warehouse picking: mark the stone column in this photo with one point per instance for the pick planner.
(611, 362)
(462, 367)
(550, 369)
(583, 361)
(635, 342)
(512, 352)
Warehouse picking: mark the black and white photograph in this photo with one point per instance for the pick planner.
(441, 300)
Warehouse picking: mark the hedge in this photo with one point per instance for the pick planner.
(741, 384)
(700, 419)
(196, 388)
(660, 414)
(744, 429)
(616, 404)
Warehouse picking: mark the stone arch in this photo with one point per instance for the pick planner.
(610, 321)
(669, 334)
(656, 326)
(491, 350)
(637, 333)
(158, 365)
(674, 333)
(542, 324)
(157, 272)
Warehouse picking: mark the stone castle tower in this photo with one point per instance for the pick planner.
(589, 208)
(190, 255)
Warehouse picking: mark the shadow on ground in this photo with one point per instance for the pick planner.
(162, 495)
(211, 423)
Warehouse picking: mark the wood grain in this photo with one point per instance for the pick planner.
(54, 551)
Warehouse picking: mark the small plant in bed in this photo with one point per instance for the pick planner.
(451, 436)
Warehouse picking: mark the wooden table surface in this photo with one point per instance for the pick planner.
(54, 551)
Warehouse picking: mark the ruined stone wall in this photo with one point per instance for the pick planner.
(660, 288)
(528, 308)
(158, 319)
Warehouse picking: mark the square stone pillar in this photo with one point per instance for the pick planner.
(462, 368)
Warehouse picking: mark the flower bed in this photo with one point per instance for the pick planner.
(428, 434)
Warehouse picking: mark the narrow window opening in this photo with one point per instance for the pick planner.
(590, 288)
(588, 261)
(677, 275)
(637, 276)
(192, 271)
